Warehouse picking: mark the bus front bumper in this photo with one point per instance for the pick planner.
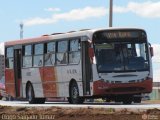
(102, 88)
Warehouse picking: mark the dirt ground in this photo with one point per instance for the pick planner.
(151, 102)
(57, 113)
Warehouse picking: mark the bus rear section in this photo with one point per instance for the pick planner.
(122, 69)
(47, 67)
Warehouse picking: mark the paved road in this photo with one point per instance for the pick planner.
(85, 105)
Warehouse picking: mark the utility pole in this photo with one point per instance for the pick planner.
(110, 13)
(21, 30)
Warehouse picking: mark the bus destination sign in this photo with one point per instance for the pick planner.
(120, 34)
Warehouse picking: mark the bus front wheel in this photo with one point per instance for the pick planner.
(137, 100)
(74, 97)
(127, 100)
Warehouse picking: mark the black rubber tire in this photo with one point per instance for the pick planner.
(40, 100)
(32, 99)
(74, 97)
(10, 98)
(81, 100)
(127, 100)
(1, 97)
(137, 100)
(30, 95)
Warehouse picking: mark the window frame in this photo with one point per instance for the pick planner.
(46, 52)
(70, 52)
(23, 55)
(9, 57)
(64, 52)
(39, 54)
(55, 52)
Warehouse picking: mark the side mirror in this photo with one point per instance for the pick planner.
(151, 51)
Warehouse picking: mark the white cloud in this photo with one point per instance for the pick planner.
(148, 9)
(75, 14)
(38, 21)
(119, 9)
(156, 62)
(156, 74)
(156, 57)
(52, 9)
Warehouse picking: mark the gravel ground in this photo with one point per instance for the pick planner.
(59, 113)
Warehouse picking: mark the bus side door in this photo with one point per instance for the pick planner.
(86, 68)
(17, 69)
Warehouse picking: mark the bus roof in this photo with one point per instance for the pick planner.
(55, 36)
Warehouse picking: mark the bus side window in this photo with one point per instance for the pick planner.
(7, 63)
(38, 55)
(62, 53)
(9, 57)
(27, 56)
(74, 52)
(50, 54)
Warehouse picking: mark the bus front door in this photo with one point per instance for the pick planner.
(17, 71)
(86, 68)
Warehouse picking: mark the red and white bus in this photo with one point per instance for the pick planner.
(113, 64)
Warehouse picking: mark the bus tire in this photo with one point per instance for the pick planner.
(40, 100)
(127, 100)
(9, 98)
(30, 94)
(74, 97)
(137, 100)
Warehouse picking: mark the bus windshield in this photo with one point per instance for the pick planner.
(120, 55)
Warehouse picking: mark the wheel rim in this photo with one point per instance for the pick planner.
(29, 93)
(75, 92)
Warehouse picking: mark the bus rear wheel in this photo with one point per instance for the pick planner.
(30, 94)
(31, 97)
(40, 100)
(74, 97)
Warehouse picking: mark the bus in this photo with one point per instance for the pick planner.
(112, 63)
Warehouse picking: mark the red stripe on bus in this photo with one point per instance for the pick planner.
(25, 41)
(9, 82)
(48, 78)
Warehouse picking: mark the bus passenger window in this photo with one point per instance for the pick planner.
(10, 52)
(50, 55)
(74, 53)
(27, 57)
(9, 63)
(9, 57)
(38, 55)
(62, 55)
(27, 61)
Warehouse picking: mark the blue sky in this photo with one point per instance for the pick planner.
(13, 12)
(48, 16)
